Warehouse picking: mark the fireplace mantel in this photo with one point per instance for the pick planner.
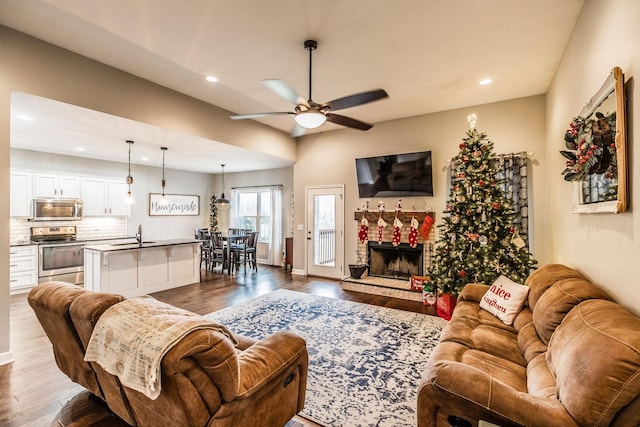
(389, 216)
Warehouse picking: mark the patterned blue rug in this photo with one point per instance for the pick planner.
(365, 362)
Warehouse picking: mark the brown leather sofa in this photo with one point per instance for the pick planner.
(264, 387)
(571, 358)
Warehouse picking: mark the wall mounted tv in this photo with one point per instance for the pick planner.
(397, 175)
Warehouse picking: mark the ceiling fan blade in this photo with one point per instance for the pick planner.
(348, 121)
(357, 99)
(297, 131)
(258, 115)
(284, 90)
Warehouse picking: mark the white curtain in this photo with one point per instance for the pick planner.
(277, 226)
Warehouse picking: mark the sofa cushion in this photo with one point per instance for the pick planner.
(504, 299)
(552, 307)
(595, 357)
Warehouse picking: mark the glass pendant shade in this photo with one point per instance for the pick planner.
(222, 202)
(310, 119)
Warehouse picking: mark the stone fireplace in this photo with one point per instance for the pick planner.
(395, 262)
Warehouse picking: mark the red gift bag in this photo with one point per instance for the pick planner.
(445, 305)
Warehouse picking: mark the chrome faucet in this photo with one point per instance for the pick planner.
(139, 236)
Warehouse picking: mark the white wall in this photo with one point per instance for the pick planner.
(146, 180)
(604, 247)
(329, 158)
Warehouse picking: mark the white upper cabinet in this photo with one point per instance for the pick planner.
(21, 194)
(102, 196)
(58, 186)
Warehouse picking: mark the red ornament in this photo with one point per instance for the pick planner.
(512, 230)
(496, 205)
(481, 183)
(462, 273)
(462, 146)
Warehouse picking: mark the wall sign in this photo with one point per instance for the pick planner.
(177, 205)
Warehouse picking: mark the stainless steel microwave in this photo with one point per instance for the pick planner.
(57, 209)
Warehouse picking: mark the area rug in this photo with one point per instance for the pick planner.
(365, 362)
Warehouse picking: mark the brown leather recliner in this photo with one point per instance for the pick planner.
(206, 381)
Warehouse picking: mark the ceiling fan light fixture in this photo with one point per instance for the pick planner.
(310, 119)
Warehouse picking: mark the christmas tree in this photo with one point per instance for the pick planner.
(477, 242)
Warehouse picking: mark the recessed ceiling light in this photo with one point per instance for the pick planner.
(485, 82)
(211, 79)
(24, 117)
(144, 159)
(81, 149)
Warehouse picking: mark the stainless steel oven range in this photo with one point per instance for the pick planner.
(60, 256)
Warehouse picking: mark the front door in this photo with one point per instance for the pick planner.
(325, 242)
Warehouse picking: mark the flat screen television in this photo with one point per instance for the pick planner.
(396, 175)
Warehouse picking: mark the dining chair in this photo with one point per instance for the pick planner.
(246, 253)
(218, 251)
(206, 253)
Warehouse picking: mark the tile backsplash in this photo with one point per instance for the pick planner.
(87, 228)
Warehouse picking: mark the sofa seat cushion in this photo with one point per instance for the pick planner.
(595, 357)
(476, 329)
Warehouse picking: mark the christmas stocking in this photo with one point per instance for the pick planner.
(381, 225)
(397, 225)
(413, 233)
(426, 226)
(363, 234)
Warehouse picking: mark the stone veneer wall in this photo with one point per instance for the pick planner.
(387, 232)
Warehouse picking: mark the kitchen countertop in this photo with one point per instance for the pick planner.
(145, 244)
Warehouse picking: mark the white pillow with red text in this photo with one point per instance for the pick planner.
(504, 299)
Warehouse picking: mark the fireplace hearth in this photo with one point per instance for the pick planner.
(395, 262)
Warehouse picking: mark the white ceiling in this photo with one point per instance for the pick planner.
(428, 55)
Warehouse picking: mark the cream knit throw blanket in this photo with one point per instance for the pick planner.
(131, 337)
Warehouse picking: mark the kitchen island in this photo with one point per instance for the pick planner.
(133, 269)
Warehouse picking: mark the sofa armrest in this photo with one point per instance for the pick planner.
(473, 292)
(469, 392)
(269, 358)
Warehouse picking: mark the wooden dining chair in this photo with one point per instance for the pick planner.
(206, 253)
(218, 251)
(246, 253)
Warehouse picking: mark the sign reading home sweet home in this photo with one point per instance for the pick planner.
(176, 204)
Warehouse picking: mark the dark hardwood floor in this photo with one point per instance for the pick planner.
(33, 391)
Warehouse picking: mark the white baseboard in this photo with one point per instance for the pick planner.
(6, 358)
(298, 271)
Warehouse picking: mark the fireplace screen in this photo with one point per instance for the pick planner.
(395, 262)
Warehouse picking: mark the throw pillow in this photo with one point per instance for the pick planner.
(504, 299)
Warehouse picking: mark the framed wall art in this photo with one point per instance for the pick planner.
(175, 205)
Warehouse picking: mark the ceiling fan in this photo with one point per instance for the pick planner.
(309, 114)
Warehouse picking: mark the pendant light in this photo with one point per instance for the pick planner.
(223, 203)
(163, 198)
(129, 200)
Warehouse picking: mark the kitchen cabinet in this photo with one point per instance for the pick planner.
(21, 194)
(130, 270)
(58, 186)
(23, 268)
(102, 196)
